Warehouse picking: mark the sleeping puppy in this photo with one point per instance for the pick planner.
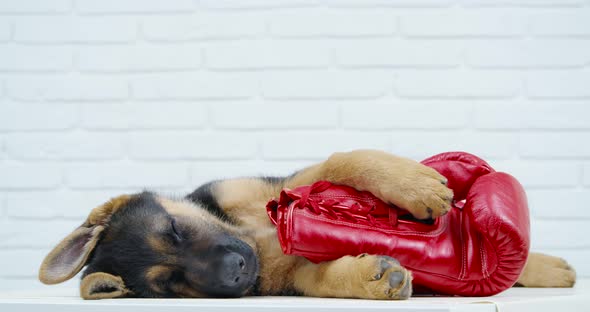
(219, 242)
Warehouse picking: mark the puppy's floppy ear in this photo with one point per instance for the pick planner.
(69, 256)
(101, 285)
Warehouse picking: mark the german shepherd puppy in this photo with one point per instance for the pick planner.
(219, 242)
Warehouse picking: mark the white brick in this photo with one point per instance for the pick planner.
(306, 146)
(473, 84)
(2, 157)
(134, 6)
(50, 29)
(388, 114)
(182, 145)
(468, 24)
(205, 171)
(255, 4)
(5, 31)
(19, 116)
(420, 145)
(275, 115)
(205, 25)
(541, 174)
(388, 3)
(532, 115)
(69, 146)
(123, 175)
(139, 58)
(147, 115)
(56, 204)
(67, 87)
(555, 144)
(35, 6)
(35, 233)
(194, 86)
(559, 204)
(34, 58)
(398, 53)
(529, 54)
(574, 22)
(29, 176)
(310, 23)
(558, 84)
(202, 172)
(21, 262)
(321, 84)
(284, 168)
(523, 3)
(267, 54)
(559, 234)
(578, 258)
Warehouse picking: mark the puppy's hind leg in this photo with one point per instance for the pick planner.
(546, 271)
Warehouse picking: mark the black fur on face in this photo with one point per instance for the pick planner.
(158, 254)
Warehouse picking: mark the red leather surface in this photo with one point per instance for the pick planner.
(479, 248)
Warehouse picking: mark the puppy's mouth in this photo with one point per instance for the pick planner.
(252, 276)
(251, 270)
(253, 264)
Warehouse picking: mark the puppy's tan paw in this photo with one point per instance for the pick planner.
(420, 190)
(382, 277)
(547, 271)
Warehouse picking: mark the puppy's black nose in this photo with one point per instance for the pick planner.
(232, 269)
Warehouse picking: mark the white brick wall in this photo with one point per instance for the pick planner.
(99, 98)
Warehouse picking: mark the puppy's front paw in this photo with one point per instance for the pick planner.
(547, 271)
(382, 277)
(421, 190)
(403, 182)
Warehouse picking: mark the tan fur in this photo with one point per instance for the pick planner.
(547, 271)
(159, 245)
(184, 291)
(273, 263)
(249, 194)
(92, 284)
(102, 213)
(157, 273)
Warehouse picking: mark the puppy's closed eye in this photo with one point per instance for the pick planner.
(175, 232)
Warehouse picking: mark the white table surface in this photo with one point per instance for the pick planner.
(515, 299)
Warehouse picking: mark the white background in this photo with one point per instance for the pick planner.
(99, 98)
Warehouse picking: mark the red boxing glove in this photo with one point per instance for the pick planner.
(479, 248)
